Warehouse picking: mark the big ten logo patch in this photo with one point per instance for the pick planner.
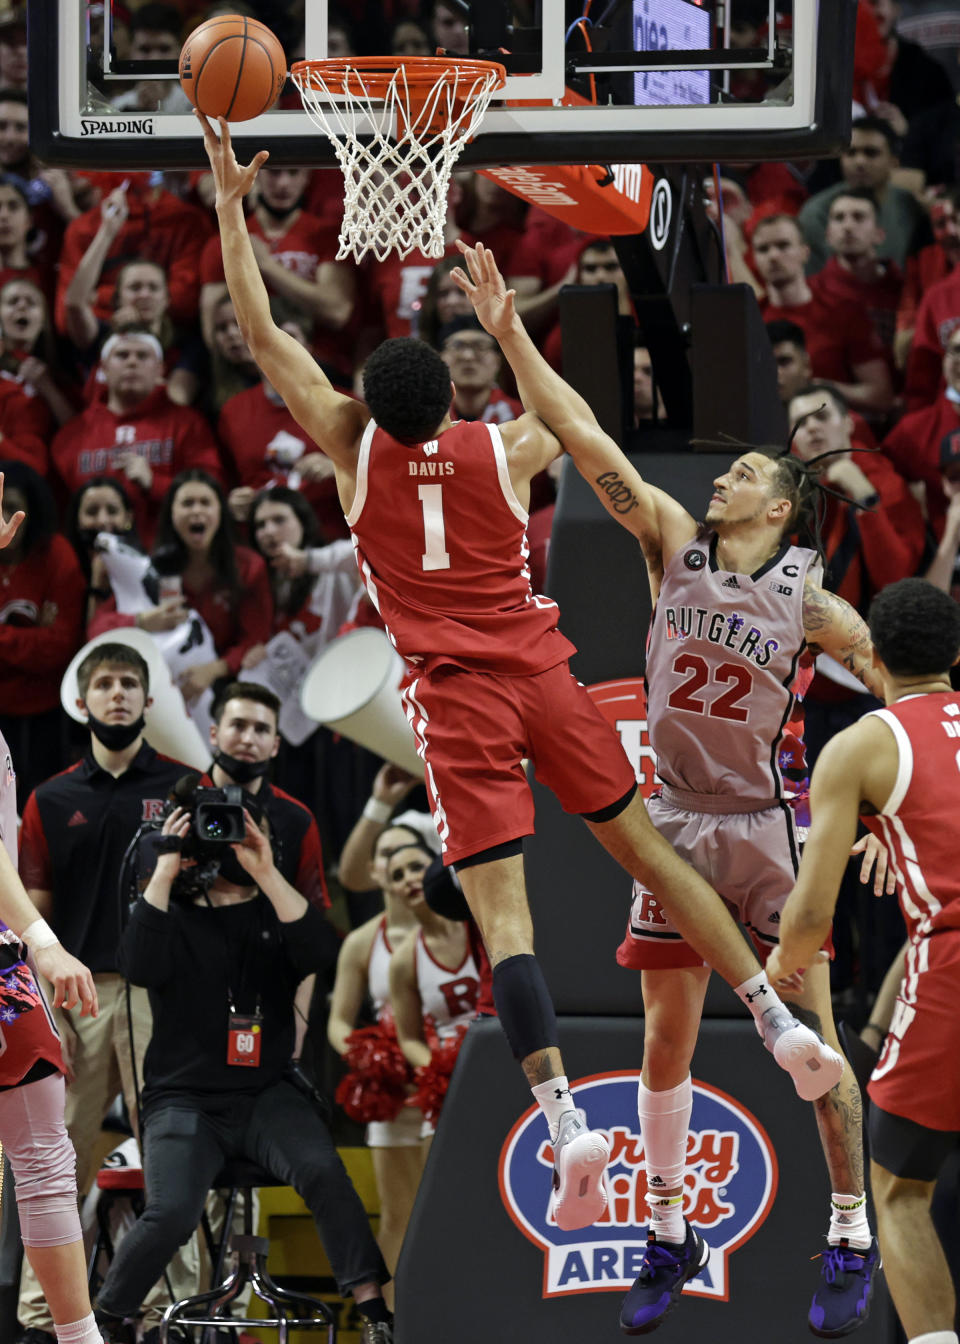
(624, 706)
(729, 1186)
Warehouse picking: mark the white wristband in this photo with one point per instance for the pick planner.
(39, 935)
(375, 810)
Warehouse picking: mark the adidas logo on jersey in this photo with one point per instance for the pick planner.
(78, 819)
(731, 582)
(775, 918)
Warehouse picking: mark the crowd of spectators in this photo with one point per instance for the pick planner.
(130, 405)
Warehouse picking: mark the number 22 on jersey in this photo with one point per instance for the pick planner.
(698, 674)
(435, 553)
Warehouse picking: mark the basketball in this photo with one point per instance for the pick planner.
(232, 67)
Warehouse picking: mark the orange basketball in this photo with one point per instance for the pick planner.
(232, 67)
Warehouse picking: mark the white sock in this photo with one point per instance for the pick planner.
(664, 1124)
(937, 1337)
(848, 1220)
(79, 1332)
(666, 1218)
(759, 996)
(554, 1100)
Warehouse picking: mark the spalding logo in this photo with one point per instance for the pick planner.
(729, 1185)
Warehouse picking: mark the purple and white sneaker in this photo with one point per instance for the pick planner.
(658, 1286)
(841, 1303)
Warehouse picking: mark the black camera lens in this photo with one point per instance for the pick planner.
(213, 828)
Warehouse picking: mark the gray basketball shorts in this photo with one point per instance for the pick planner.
(750, 858)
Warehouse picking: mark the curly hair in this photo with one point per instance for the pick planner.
(915, 628)
(407, 388)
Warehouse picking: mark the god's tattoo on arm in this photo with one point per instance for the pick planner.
(621, 497)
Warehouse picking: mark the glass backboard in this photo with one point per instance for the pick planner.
(637, 81)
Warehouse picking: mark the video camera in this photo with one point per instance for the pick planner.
(217, 817)
(216, 823)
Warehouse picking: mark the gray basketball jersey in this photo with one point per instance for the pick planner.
(722, 654)
(8, 802)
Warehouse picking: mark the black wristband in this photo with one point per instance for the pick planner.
(169, 844)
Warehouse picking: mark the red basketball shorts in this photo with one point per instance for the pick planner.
(917, 1076)
(474, 729)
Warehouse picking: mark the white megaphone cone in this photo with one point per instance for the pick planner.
(168, 728)
(353, 688)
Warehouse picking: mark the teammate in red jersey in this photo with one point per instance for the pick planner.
(438, 512)
(735, 606)
(899, 766)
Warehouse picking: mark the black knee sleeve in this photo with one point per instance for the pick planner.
(524, 1005)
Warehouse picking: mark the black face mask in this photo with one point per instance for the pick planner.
(115, 736)
(241, 772)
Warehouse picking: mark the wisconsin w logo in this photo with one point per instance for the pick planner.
(431, 447)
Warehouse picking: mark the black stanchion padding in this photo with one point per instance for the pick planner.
(468, 1271)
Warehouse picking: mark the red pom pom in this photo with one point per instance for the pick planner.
(376, 1086)
(433, 1079)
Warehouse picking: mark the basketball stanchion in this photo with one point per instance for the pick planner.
(397, 126)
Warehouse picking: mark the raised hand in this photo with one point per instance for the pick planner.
(8, 526)
(233, 181)
(254, 851)
(484, 287)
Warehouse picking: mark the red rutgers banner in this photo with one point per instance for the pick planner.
(624, 705)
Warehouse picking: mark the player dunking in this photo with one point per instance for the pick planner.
(438, 513)
(734, 607)
(901, 765)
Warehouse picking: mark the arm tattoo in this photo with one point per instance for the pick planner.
(843, 633)
(621, 497)
(816, 608)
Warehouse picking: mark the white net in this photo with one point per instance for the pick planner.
(396, 146)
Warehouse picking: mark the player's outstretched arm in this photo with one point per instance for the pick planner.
(333, 420)
(834, 807)
(72, 982)
(832, 626)
(659, 522)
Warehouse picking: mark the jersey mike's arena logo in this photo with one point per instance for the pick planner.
(729, 1185)
(624, 706)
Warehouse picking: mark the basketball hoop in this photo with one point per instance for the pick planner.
(397, 126)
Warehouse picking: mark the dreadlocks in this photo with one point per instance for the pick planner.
(797, 481)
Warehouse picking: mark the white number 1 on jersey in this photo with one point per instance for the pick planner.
(435, 553)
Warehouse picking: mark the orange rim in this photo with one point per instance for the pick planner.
(421, 73)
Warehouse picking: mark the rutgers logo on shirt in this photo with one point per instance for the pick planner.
(153, 809)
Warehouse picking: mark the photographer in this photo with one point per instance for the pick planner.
(221, 941)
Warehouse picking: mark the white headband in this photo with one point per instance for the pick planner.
(110, 343)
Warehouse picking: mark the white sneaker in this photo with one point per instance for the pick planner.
(580, 1157)
(810, 1062)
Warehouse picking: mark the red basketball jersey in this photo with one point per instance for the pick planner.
(441, 542)
(918, 823)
